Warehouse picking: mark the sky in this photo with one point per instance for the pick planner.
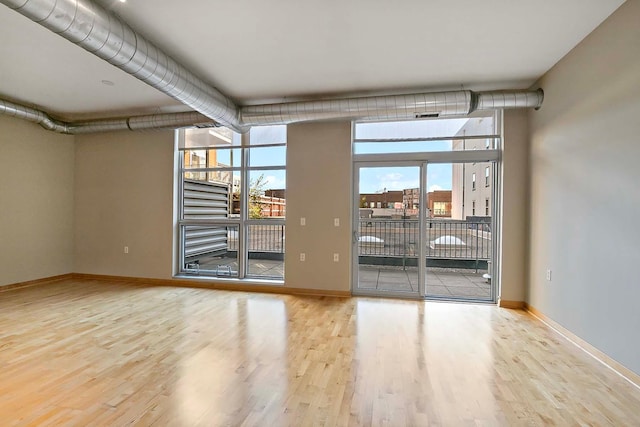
(379, 179)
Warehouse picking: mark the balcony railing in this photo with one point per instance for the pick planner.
(446, 239)
(393, 238)
(262, 238)
(386, 241)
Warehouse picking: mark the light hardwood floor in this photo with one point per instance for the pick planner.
(82, 352)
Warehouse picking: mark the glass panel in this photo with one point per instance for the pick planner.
(211, 195)
(473, 144)
(213, 158)
(262, 135)
(268, 156)
(267, 194)
(427, 129)
(210, 250)
(458, 242)
(401, 147)
(209, 137)
(266, 251)
(388, 242)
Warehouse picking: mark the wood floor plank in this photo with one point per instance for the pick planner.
(84, 352)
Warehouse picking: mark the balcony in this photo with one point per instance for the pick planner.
(457, 255)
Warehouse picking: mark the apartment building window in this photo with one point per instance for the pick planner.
(486, 207)
(473, 207)
(486, 176)
(232, 202)
(473, 181)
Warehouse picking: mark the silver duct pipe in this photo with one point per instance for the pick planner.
(32, 115)
(509, 99)
(154, 121)
(390, 107)
(90, 26)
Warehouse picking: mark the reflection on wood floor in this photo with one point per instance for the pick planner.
(100, 353)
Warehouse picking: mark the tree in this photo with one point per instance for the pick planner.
(256, 191)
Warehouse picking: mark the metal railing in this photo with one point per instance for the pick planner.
(446, 239)
(262, 238)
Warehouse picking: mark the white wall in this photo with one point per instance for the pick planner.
(124, 197)
(515, 205)
(318, 189)
(36, 202)
(585, 201)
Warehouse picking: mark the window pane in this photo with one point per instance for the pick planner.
(445, 128)
(210, 137)
(211, 195)
(401, 147)
(211, 250)
(473, 144)
(212, 158)
(266, 250)
(268, 156)
(225, 158)
(426, 128)
(267, 194)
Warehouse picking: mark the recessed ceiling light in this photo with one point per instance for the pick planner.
(108, 83)
(123, 1)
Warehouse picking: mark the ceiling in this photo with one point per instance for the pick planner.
(257, 51)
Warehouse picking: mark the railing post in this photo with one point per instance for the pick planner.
(281, 238)
(477, 248)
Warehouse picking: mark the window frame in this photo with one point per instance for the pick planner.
(243, 222)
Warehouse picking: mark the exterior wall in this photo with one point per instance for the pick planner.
(481, 193)
(462, 173)
(36, 202)
(439, 203)
(585, 203)
(385, 200)
(124, 197)
(319, 189)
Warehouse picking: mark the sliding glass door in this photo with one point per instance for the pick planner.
(387, 224)
(425, 197)
(459, 224)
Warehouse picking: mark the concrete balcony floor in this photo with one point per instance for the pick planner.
(447, 283)
(440, 282)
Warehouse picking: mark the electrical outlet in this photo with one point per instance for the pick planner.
(303, 221)
(303, 257)
(549, 275)
(336, 257)
(126, 249)
(336, 222)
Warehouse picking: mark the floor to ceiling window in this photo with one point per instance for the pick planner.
(232, 202)
(423, 220)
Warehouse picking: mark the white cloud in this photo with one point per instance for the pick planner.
(394, 181)
(273, 182)
(435, 187)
